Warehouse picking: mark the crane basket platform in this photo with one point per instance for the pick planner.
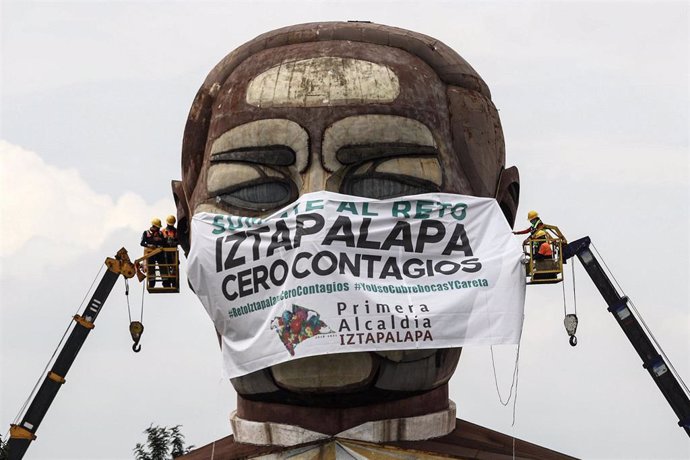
(161, 270)
(545, 255)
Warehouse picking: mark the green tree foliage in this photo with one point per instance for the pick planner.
(162, 443)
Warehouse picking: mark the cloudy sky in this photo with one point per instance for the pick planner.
(593, 98)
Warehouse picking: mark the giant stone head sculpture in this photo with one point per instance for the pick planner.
(349, 107)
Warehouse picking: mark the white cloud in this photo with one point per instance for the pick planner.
(55, 206)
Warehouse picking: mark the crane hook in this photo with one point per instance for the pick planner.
(570, 322)
(135, 330)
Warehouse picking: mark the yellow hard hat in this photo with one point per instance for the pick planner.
(156, 222)
(532, 214)
(171, 220)
(539, 233)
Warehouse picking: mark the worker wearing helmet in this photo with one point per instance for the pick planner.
(171, 241)
(170, 232)
(535, 224)
(150, 240)
(153, 238)
(541, 248)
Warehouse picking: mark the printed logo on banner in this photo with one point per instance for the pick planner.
(297, 325)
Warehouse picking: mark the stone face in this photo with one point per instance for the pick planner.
(353, 108)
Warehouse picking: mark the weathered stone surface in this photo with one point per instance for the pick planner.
(323, 81)
(258, 382)
(408, 376)
(271, 434)
(332, 413)
(326, 373)
(417, 428)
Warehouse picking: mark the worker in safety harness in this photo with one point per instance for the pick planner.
(171, 241)
(152, 239)
(541, 248)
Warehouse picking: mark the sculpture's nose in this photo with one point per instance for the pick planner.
(316, 178)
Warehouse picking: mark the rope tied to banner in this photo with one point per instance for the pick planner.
(513, 383)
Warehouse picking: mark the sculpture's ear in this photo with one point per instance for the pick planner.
(183, 215)
(508, 193)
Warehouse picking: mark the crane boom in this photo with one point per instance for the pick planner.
(659, 369)
(23, 433)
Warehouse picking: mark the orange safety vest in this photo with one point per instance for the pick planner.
(545, 249)
(169, 232)
(170, 236)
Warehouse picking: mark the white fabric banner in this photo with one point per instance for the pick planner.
(334, 273)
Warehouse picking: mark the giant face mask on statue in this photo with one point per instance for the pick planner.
(355, 108)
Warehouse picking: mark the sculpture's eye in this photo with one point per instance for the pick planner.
(258, 196)
(382, 186)
(252, 178)
(384, 171)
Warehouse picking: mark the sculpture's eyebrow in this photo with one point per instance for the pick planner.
(276, 155)
(270, 141)
(360, 131)
(350, 154)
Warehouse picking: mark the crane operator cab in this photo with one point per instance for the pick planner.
(544, 251)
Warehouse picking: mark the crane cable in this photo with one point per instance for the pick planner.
(50, 361)
(570, 319)
(565, 312)
(136, 328)
(141, 313)
(644, 325)
(129, 309)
